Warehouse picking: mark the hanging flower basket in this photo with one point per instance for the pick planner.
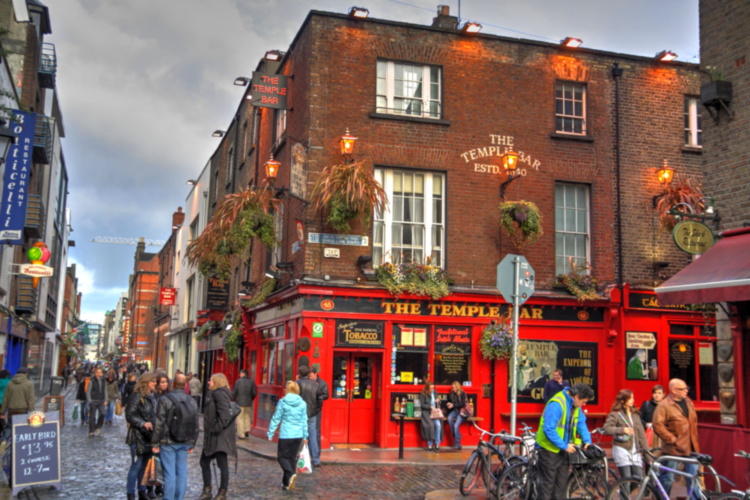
(578, 282)
(260, 295)
(413, 278)
(204, 331)
(496, 342)
(521, 221)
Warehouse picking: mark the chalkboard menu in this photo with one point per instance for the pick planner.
(217, 296)
(54, 403)
(452, 354)
(36, 454)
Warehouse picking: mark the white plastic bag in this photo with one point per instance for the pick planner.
(76, 412)
(304, 464)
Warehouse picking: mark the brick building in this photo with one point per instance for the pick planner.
(434, 110)
(143, 293)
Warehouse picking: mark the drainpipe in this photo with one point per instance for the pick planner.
(617, 74)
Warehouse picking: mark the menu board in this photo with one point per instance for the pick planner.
(54, 403)
(217, 295)
(452, 354)
(36, 454)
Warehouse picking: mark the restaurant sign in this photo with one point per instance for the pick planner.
(16, 180)
(269, 90)
(359, 333)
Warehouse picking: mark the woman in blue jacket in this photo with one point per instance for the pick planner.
(291, 413)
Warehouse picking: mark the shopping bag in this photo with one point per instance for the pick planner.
(650, 437)
(159, 471)
(304, 464)
(75, 411)
(149, 475)
(436, 413)
(118, 408)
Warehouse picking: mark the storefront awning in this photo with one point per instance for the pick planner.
(722, 274)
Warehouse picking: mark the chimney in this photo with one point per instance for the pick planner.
(177, 219)
(444, 19)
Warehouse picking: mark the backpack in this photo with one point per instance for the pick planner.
(184, 421)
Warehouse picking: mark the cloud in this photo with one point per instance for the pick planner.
(95, 300)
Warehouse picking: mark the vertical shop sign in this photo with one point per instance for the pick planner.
(167, 296)
(16, 180)
(217, 297)
(640, 352)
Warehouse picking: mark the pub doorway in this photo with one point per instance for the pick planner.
(354, 399)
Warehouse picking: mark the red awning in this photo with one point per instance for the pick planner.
(722, 274)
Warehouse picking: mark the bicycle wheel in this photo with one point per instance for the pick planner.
(727, 496)
(512, 484)
(629, 487)
(588, 484)
(471, 473)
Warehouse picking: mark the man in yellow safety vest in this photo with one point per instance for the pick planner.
(562, 427)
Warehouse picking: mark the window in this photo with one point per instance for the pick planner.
(412, 354)
(692, 358)
(230, 166)
(570, 108)
(414, 227)
(571, 226)
(408, 89)
(279, 128)
(693, 129)
(189, 296)
(194, 228)
(449, 350)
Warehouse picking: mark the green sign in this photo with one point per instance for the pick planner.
(317, 330)
(693, 237)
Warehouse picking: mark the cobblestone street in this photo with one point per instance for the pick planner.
(96, 468)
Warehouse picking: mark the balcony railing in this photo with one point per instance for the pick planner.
(35, 217)
(43, 140)
(48, 66)
(27, 296)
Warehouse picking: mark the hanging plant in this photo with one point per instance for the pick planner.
(226, 239)
(261, 294)
(521, 221)
(346, 192)
(578, 282)
(233, 339)
(496, 341)
(205, 330)
(674, 194)
(413, 278)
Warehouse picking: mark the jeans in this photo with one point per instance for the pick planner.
(438, 423)
(109, 413)
(221, 461)
(454, 422)
(666, 478)
(312, 440)
(174, 462)
(96, 407)
(84, 409)
(135, 473)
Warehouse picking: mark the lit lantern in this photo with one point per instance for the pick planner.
(510, 160)
(347, 144)
(665, 173)
(272, 169)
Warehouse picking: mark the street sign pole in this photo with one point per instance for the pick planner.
(514, 326)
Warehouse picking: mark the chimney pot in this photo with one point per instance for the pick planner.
(444, 20)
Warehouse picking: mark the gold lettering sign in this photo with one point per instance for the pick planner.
(692, 237)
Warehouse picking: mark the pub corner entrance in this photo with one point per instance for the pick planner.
(354, 400)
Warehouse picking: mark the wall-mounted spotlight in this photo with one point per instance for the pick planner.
(362, 261)
(241, 81)
(192, 182)
(218, 133)
(471, 28)
(273, 55)
(359, 12)
(665, 56)
(571, 43)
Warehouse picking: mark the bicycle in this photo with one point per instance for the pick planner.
(586, 478)
(481, 461)
(738, 494)
(610, 474)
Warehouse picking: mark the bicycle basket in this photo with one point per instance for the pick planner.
(578, 458)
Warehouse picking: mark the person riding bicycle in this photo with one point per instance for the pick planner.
(561, 428)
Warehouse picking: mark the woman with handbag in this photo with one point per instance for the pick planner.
(219, 435)
(624, 423)
(432, 417)
(457, 401)
(141, 415)
(291, 413)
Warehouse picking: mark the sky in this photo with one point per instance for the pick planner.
(143, 84)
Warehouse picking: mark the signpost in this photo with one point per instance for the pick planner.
(515, 281)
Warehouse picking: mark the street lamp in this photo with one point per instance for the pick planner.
(272, 168)
(347, 146)
(510, 163)
(665, 173)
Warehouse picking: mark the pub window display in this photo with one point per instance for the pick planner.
(692, 358)
(410, 355)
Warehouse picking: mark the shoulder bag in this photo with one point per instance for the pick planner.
(436, 413)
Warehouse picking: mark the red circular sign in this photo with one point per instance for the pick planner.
(327, 304)
(583, 315)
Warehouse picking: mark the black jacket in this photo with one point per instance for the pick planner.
(244, 391)
(81, 393)
(127, 390)
(140, 409)
(311, 392)
(217, 435)
(647, 411)
(164, 412)
(458, 400)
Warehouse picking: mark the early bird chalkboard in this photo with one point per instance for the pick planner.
(36, 454)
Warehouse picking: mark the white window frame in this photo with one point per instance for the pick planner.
(578, 212)
(279, 128)
(387, 101)
(383, 222)
(230, 165)
(693, 127)
(570, 116)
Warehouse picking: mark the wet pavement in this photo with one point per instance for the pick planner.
(96, 468)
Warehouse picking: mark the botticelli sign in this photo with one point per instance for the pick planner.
(36, 270)
(692, 237)
(359, 333)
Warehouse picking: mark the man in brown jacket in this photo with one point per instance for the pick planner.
(676, 423)
(19, 395)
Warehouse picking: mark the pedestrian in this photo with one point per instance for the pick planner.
(4, 380)
(195, 390)
(561, 428)
(244, 393)
(555, 385)
(676, 423)
(291, 413)
(96, 396)
(629, 437)
(175, 409)
(65, 375)
(315, 375)
(432, 428)
(219, 435)
(140, 413)
(162, 384)
(457, 400)
(647, 413)
(312, 394)
(81, 396)
(112, 394)
(18, 398)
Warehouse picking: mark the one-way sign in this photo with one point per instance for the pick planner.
(506, 277)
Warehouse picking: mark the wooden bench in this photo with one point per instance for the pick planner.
(401, 417)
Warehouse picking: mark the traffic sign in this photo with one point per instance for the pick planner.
(506, 278)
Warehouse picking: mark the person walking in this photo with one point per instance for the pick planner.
(175, 433)
(4, 380)
(113, 393)
(624, 423)
(162, 384)
(561, 428)
(196, 388)
(676, 423)
(315, 375)
(18, 398)
(128, 388)
(555, 385)
(647, 413)
(140, 413)
(432, 428)
(291, 413)
(457, 400)
(312, 394)
(96, 396)
(219, 435)
(81, 396)
(243, 394)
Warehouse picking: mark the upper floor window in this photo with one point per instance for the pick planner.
(279, 128)
(572, 232)
(570, 108)
(693, 129)
(230, 166)
(414, 227)
(408, 89)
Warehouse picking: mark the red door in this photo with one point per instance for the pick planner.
(353, 397)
